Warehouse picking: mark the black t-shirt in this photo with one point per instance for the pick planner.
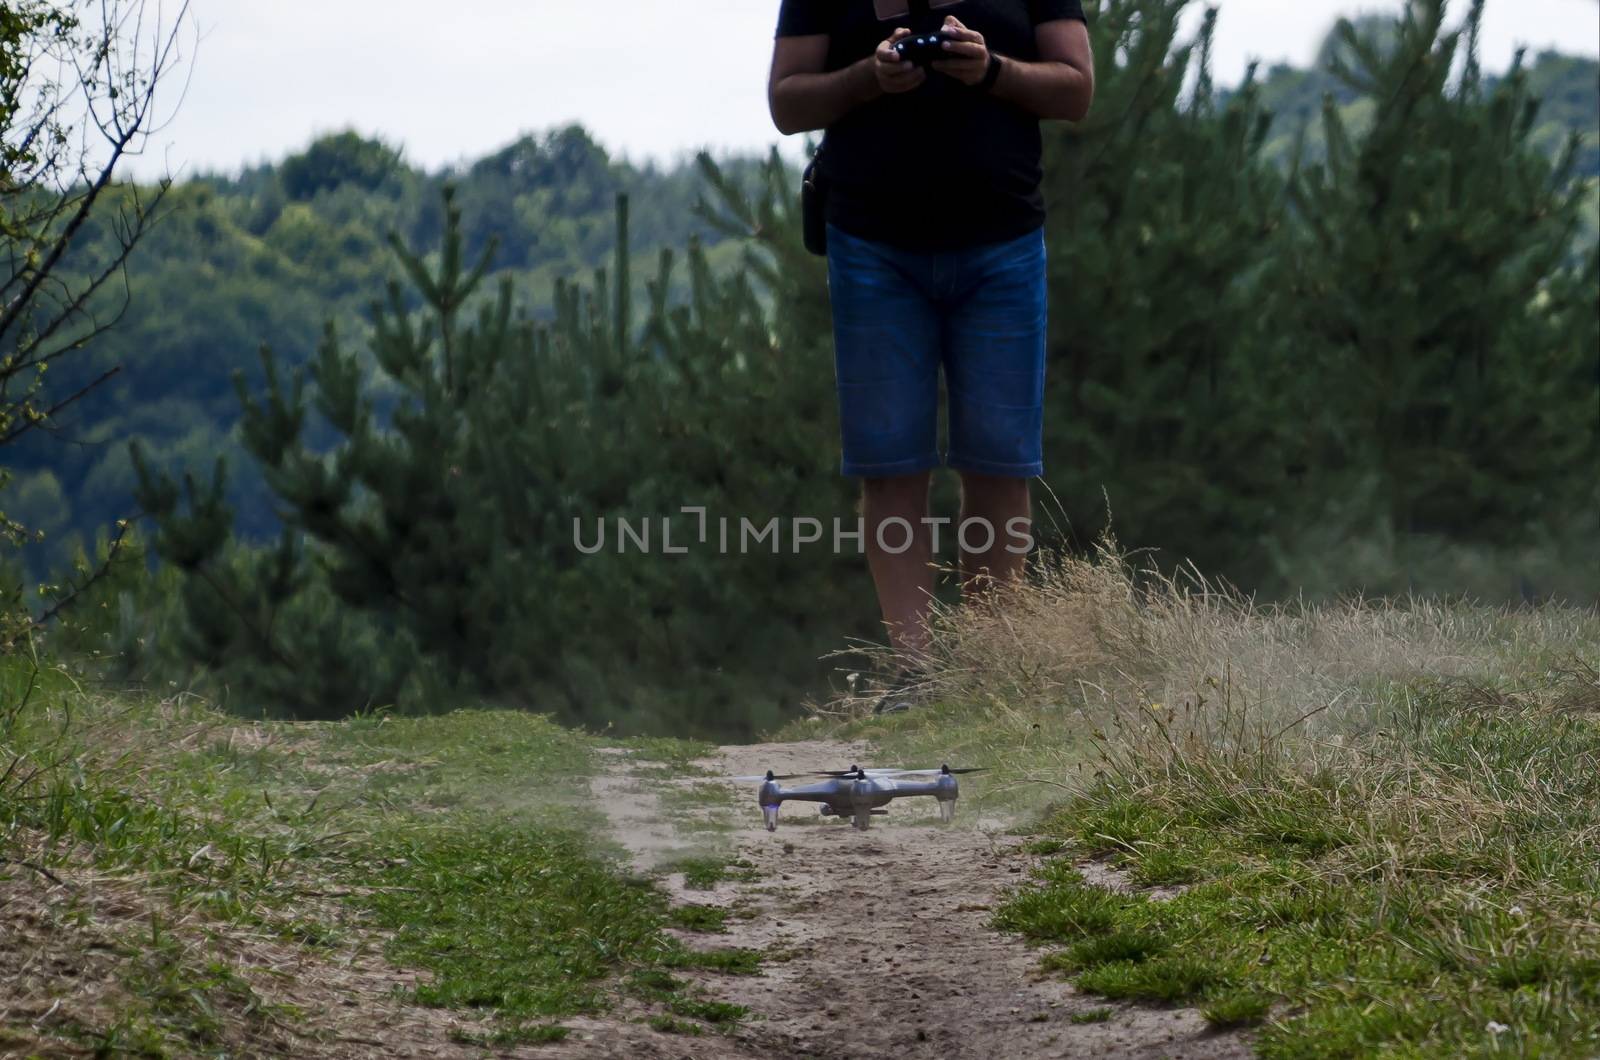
(946, 165)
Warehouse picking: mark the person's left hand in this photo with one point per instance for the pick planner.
(968, 60)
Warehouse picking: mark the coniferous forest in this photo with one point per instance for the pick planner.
(1328, 331)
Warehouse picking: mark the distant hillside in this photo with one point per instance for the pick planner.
(271, 254)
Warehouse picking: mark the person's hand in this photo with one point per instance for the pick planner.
(896, 75)
(968, 60)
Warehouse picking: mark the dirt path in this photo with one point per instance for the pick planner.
(877, 941)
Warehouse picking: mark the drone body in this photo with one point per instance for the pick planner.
(859, 793)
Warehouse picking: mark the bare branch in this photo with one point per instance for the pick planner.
(113, 552)
(84, 80)
(75, 304)
(58, 406)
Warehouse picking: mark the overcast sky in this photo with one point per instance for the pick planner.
(651, 79)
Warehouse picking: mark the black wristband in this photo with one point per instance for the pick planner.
(991, 75)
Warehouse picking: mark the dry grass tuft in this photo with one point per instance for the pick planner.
(1099, 666)
(1173, 662)
(1409, 788)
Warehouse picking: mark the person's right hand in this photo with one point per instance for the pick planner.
(896, 75)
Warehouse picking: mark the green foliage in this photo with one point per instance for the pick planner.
(334, 161)
(1454, 351)
(1390, 343)
(239, 259)
(432, 548)
(1568, 103)
(1168, 388)
(1564, 85)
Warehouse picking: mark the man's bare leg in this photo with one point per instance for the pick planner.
(904, 579)
(997, 501)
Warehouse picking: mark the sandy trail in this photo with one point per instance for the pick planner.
(884, 934)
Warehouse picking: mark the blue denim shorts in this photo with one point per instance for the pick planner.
(900, 315)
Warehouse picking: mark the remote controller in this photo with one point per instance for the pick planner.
(922, 48)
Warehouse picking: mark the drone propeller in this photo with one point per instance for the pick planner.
(834, 773)
(856, 770)
(939, 771)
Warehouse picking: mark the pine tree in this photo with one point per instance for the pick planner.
(1168, 394)
(1453, 341)
(438, 531)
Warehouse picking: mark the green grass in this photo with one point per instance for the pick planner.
(480, 760)
(702, 872)
(670, 758)
(1431, 897)
(464, 845)
(88, 784)
(710, 1011)
(1162, 867)
(710, 918)
(697, 796)
(526, 923)
(729, 961)
(1114, 946)
(1161, 979)
(516, 1033)
(1242, 1008)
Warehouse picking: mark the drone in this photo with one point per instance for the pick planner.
(858, 793)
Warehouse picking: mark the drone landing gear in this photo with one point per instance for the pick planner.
(947, 810)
